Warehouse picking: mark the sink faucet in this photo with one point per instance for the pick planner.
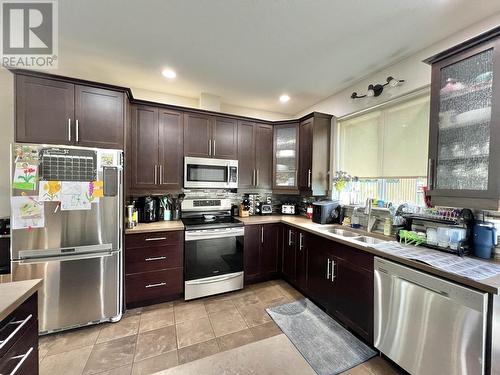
(368, 211)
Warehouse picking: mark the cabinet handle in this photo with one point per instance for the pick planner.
(430, 174)
(155, 175)
(21, 323)
(154, 259)
(214, 145)
(69, 130)
(333, 270)
(309, 175)
(156, 238)
(209, 147)
(289, 237)
(160, 167)
(23, 358)
(76, 131)
(301, 240)
(156, 285)
(261, 234)
(327, 268)
(256, 177)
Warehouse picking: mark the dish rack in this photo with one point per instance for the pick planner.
(457, 218)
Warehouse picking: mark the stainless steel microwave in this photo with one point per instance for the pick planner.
(207, 173)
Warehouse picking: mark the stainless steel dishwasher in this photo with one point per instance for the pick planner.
(428, 325)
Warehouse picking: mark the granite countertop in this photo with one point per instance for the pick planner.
(15, 293)
(490, 285)
(158, 226)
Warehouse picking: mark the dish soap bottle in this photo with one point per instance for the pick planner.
(388, 226)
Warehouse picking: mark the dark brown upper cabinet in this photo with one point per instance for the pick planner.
(225, 138)
(314, 154)
(264, 156)
(285, 157)
(464, 134)
(255, 144)
(305, 154)
(210, 137)
(144, 147)
(99, 117)
(246, 160)
(198, 135)
(156, 149)
(59, 112)
(44, 110)
(171, 149)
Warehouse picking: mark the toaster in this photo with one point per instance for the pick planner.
(266, 209)
(288, 209)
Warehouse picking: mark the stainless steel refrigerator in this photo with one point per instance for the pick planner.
(66, 213)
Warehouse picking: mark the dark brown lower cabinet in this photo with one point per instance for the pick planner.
(353, 298)
(294, 259)
(339, 278)
(262, 252)
(319, 283)
(288, 258)
(302, 244)
(251, 252)
(19, 338)
(153, 267)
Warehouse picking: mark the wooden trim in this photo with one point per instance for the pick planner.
(76, 81)
(463, 46)
(133, 100)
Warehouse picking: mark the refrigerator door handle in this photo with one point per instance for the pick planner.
(67, 257)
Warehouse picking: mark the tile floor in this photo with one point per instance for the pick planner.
(162, 336)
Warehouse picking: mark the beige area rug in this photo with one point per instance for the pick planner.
(275, 355)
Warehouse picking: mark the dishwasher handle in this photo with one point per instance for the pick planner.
(441, 292)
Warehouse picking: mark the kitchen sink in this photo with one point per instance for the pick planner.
(344, 233)
(369, 240)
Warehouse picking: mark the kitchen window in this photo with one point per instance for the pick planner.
(387, 148)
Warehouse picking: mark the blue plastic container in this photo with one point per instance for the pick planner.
(484, 239)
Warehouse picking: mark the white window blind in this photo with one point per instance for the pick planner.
(391, 141)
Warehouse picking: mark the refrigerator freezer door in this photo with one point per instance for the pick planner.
(77, 289)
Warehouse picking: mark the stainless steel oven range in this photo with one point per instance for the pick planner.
(213, 249)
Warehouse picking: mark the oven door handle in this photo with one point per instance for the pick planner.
(214, 279)
(196, 236)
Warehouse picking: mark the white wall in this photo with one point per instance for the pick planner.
(162, 97)
(6, 137)
(416, 74)
(252, 112)
(165, 98)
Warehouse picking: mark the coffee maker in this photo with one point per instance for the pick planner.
(148, 209)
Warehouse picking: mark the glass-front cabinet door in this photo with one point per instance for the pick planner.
(285, 156)
(464, 126)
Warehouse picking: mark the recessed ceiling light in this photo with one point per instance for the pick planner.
(284, 98)
(169, 73)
